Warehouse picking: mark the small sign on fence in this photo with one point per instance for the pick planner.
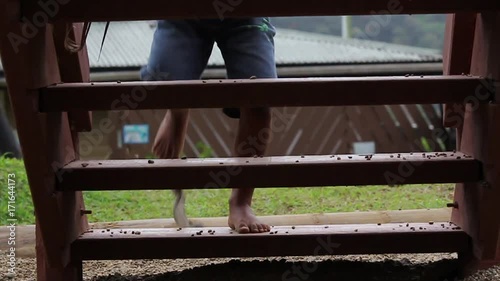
(136, 134)
(364, 147)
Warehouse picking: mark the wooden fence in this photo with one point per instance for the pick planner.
(297, 131)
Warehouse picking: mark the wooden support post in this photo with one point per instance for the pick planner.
(478, 207)
(497, 258)
(457, 55)
(74, 67)
(30, 62)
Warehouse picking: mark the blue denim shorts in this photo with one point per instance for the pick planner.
(181, 49)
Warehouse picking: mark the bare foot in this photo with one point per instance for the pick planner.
(243, 220)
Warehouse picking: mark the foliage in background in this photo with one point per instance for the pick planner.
(205, 150)
(425, 31)
(23, 205)
(150, 156)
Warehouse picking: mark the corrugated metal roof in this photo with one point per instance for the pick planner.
(127, 45)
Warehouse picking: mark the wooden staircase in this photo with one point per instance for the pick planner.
(50, 113)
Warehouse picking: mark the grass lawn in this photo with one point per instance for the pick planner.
(131, 205)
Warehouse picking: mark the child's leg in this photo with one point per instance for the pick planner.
(248, 49)
(249, 141)
(180, 51)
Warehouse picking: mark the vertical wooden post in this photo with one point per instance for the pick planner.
(30, 62)
(457, 55)
(74, 68)
(478, 206)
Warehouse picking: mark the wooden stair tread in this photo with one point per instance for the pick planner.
(260, 92)
(115, 10)
(279, 171)
(285, 240)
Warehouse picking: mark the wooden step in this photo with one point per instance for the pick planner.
(214, 242)
(116, 10)
(282, 171)
(261, 92)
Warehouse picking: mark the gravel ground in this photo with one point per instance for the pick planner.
(422, 267)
